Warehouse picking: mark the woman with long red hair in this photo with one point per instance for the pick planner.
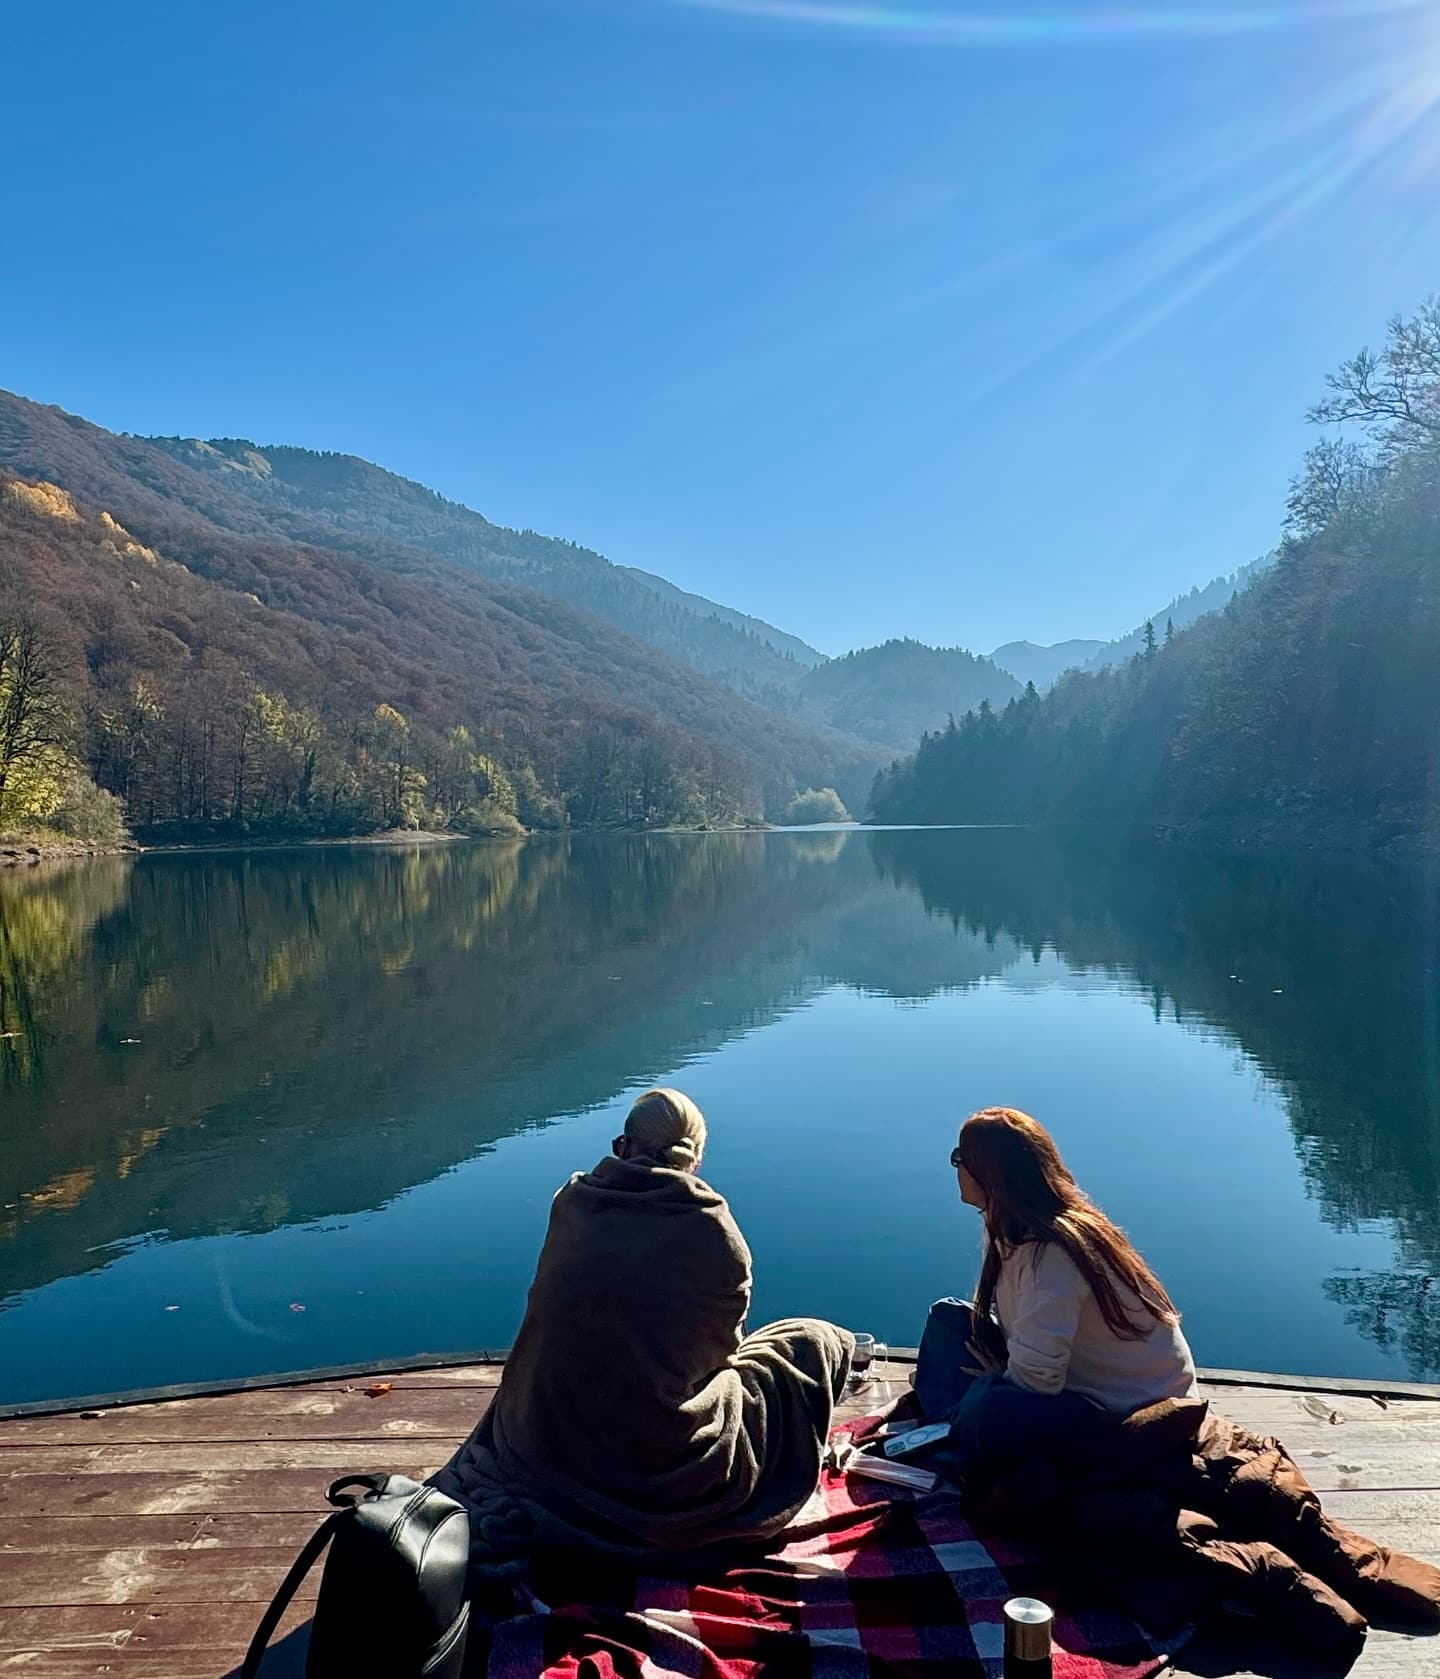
(1067, 1319)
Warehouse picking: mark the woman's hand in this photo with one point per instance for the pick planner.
(986, 1363)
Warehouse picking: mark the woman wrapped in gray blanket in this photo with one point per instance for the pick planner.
(634, 1413)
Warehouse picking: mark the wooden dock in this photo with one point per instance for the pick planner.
(141, 1541)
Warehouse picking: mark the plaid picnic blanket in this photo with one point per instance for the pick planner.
(870, 1582)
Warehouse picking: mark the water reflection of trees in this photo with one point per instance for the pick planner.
(222, 1043)
(1398, 1310)
(1324, 973)
(47, 915)
(233, 1042)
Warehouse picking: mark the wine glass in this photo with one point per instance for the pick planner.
(868, 1353)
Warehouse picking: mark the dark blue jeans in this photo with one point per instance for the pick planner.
(993, 1421)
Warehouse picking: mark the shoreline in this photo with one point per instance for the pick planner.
(20, 851)
(309, 842)
(30, 850)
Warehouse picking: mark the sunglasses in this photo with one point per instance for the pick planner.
(955, 1159)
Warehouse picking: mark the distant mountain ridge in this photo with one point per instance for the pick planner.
(1183, 611)
(1029, 662)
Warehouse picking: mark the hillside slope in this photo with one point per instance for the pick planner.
(156, 574)
(300, 488)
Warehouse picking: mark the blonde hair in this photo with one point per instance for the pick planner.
(665, 1126)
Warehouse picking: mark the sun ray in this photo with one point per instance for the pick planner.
(1099, 25)
(1217, 245)
(1174, 183)
(1392, 121)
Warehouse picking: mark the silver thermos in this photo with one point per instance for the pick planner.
(1028, 1624)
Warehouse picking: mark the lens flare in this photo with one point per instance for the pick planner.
(1106, 25)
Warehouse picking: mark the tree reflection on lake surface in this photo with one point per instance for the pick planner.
(274, 1109)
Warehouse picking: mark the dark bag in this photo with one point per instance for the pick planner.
(392, 1598)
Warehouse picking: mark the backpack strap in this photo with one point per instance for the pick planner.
(301, 1566)
(338, 1495)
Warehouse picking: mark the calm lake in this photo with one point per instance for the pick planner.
(270, 1110)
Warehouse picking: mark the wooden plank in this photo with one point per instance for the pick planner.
(219, 1628)
(1358, 1385)
(215, 1457)
(136, 1573)
(1266, 1405)
(202, 1530)
(166, 1493)
(440, 1366)
(295, 1414)
(435, 1368)
(1379, 1512)
(139, 1663)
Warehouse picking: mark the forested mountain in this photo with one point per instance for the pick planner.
(344, 496)
(891, 693)
(221, 674)
(1308, 708)
(1028, 662)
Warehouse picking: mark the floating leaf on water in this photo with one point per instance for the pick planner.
(1319, 1409)
(377, 1388)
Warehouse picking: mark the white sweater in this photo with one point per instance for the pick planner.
(1057, 1339)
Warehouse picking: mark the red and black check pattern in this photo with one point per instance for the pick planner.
(868, 1583)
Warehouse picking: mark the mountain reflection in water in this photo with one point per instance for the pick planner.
(313, 1101)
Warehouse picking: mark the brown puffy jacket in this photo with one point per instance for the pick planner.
(1177, 1511)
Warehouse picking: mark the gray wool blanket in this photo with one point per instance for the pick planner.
(634, 1413)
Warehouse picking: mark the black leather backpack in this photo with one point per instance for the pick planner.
(393, 1595)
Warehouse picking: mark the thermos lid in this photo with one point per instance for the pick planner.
(1028, 1622)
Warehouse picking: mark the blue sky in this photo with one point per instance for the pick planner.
(929, 319)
